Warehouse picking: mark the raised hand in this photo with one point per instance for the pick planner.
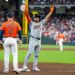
(52, 8)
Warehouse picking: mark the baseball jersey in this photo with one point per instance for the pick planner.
(10, 28)
(61, 36)
(36, 28)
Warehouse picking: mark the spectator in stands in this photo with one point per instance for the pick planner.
(72, 38)
(0, 23)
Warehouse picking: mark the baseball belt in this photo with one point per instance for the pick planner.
(38, 38)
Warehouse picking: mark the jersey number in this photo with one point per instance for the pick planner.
(11, 31)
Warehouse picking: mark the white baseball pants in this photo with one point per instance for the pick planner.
(61, 44)
(34, 47)
(10, 45)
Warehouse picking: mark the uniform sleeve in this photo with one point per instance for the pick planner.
(27, 16)
(43, 22)
(1, 33)
(19, 32)
(3, 27)
(31, 23)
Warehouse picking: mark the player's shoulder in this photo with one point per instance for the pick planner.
(16, 23)
(31, 22)
(4, 23)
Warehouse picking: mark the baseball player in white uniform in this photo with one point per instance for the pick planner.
(35, 38)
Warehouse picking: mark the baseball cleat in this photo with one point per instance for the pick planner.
(17, 72)
(26, 69)
(35, 69)
(5, 71)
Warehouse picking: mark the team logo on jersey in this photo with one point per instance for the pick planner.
(10, 24)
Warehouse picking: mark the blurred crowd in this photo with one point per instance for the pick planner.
(53, 26)
(1, 17)
(4, 18)
(52, 1)
(58, 24)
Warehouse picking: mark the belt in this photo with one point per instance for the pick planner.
(38, 38)
(9, 36)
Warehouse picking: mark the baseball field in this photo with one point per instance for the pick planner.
(51, 60)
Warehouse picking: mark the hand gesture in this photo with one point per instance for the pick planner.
(52, 8)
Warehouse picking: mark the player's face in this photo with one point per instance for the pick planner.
(36, 19)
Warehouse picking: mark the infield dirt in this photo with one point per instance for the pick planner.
(46, 69)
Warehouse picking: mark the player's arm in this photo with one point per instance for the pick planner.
(19, 31)
(1, 32)
(19, 34)
(27, 14)
(50, 13)
(1, 35)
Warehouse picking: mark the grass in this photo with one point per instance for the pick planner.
(48, 56)
(51, 46)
